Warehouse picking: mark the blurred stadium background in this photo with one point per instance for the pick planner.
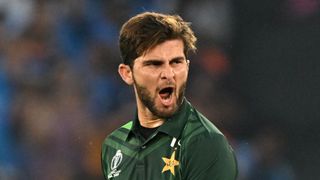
(256, 76)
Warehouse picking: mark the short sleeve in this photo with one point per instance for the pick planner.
(104, 165)
(209, 158)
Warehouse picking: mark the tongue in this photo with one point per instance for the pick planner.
(165, 95)
(166, 99)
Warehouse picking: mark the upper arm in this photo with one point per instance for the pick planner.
(104, 164)
(209, 158)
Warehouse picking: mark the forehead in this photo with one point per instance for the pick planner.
(165, 51)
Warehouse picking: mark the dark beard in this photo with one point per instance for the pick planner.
(145, 96)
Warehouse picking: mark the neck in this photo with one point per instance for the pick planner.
(148, 120)
(151, 123)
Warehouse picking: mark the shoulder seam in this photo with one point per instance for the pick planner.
(201, 128)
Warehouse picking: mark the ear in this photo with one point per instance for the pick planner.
(126, 73)
(188, 63)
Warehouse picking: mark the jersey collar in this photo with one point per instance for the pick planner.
(174, 125)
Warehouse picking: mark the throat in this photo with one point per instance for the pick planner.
(147, 127)
(146, 132)
(152, 123)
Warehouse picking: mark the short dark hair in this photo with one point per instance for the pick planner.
(146, 30)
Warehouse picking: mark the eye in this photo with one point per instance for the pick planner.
(176, 61)
(152, 63)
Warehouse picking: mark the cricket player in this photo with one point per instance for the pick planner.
(168, 139)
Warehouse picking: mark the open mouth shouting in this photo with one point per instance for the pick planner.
(166, 96)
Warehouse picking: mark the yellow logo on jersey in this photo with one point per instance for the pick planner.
(170, 163)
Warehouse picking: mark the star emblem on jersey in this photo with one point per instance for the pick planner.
(170, 163)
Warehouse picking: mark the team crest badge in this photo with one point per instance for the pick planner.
(115, 162)
(170, 163)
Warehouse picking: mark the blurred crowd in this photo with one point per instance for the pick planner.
(60, 94)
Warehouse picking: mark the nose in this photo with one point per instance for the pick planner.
(167, 73)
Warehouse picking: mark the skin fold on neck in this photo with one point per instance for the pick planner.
(147, 119)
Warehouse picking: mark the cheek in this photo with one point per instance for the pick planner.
(182, 75)
(181, 81)
(146, 80)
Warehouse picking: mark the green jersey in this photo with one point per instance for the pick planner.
(187, 146)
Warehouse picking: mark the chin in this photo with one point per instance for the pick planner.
(166, 112)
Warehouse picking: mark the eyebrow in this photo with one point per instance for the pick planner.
(178, 58)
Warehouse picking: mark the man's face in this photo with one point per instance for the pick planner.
(160, 77)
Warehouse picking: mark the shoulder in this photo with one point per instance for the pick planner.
(198, 127)
(200, 134)
(206, 151)
(118, 135)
